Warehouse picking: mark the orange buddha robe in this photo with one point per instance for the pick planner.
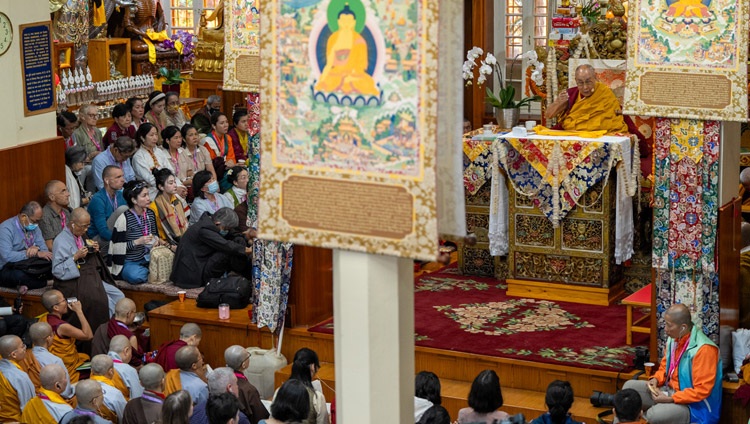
(31, 367)
(173, 382)
(596, 112)
(10, 407)
(120, 385)
(65, 349)
(105, 412)
(36, 412)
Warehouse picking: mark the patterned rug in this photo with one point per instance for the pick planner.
(474, 315)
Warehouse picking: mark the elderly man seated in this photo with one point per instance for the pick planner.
(90, 401)
(103, 371)
(190, 335)
(49, 406)
(238, 359)
(119, 324)
(208, 250)
(221, 380)
(16, 388)
(191, 376)
(24, 257)
(56, 212)
(80, 271)
(120, 352)
(39, 357)
(65, 335)
(147, 408)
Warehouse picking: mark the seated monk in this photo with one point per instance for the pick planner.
(238, 358)
(346, 60)
(66, 335)
(147, 408)
(103, 372)
(90, 401)
(39, 357)
(16, 388)
(120, 352)
(48, 407)
(119, 325)
(191, 375)
(190, 335)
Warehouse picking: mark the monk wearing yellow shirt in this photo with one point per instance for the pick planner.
(16, 388)
(48, 407)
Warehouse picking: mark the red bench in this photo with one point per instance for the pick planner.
(639, 299)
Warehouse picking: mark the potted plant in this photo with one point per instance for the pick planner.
(184, 43)
(172, 79)
(507, 109)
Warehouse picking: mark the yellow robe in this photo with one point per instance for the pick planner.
(596, 112)
(10, 407)
(105, 412)
(120, 385)
(65, 349)
(31, 367)
(173, 382)
(348, 72)
(36, 412)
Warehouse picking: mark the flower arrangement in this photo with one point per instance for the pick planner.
(505, 99)
(591, 10)
(184, 43)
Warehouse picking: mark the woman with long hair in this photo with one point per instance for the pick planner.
(149, 156)
(290, 405)
(207, 196)
(239, 133)
(168, 208)
(485, 397)
(193, 157)
(177, 408)
(559, 399)
(154, 110)
(219, 145)
(304, 369)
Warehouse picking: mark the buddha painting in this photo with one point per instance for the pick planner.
(346, 55)
(689, 9)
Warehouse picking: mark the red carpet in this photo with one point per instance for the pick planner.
(474, 315)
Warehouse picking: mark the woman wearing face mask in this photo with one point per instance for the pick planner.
(170, 213)
(149, 156)
(74, 163)
(154, 111)
(173, 115)
(219, 145)
(207, 196)
(137, 112)
(134, 235)
(238, 178)
(239, 134)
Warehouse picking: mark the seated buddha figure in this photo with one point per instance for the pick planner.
(137, 20)
(688, 9)
(346, 60)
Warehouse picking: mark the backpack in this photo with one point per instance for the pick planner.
(160, 265)
(233, 290)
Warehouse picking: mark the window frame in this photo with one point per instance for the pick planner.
(197, 7)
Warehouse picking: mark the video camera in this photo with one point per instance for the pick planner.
(602, 400)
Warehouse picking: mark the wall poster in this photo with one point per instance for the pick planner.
(36, 68)
(349, 124)
(242, 45)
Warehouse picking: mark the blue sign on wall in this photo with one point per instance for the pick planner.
(36, 63)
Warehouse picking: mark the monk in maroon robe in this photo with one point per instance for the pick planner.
(119, 325)
(190, 335)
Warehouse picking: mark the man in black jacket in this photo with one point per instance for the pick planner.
(209, 249)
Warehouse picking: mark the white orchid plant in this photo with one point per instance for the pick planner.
(507, 93)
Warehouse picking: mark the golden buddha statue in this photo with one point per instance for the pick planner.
(140, 22)
(209, 49)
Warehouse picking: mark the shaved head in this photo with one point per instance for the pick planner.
(50, 298)
(190, 329)
(80, 214)
(39, 332)
(585, 69)
(101, 365)
(86, 391)
(124, 307)
(51, 374)
(186, 356)
(151, 376)
(118, 344)
(680, 314)
(234, 356)
(9, 344)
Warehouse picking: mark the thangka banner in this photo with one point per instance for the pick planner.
(242, 45)
(687, 59)
(349, 120)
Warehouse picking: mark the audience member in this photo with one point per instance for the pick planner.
(173, 115)
(134, 235)
(435, 415)
(12, 320)
(190, 376)
(205, 252)
(168, 209)
(291, 404)
(426, 393)
(193, 158)
(223, 409)
(80, 271)
(238, 359)
(172, 145)
(628, 406)
(120, 127)
(119, 324)
(48, 406)
(207, 196)
(485, 398)
(90, 401)
(213, 105)
(190, 335)
(39, 357)
(304, 368)
(687, 385)
(67, 123)
(238, 177)
(149, 156)
(103, 372)
(88, 135)
(137, 111)
(65, 335)
(221, 380)
(25, 260)
(154, 111)
(147, 408)
(120, 351)
(219, 145)
(177, 408)
(239, 133)
(16, 388)
(559, 399)
(55, 213)
(75, 158)
(117, 155)
(103, 206)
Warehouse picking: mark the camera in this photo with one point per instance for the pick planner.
(602, 400)
(514, 419)
(641, 357)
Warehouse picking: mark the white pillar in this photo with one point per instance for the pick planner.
(373, 300)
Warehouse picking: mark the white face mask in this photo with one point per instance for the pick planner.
(239, 191)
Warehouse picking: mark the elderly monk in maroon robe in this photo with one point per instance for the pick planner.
(190, 335)
(119, 325)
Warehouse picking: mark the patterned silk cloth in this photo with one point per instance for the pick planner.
(555, 172)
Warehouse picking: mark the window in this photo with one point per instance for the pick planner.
(185, 14)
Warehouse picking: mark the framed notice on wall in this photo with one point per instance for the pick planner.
(687, 59)
(349, 125)
(37, 68)
(242, 46)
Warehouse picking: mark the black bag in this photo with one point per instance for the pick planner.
(35, 267)
(232, 290)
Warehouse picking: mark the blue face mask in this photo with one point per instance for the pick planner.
(31, 227)
(213, 187)
(223, 232)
